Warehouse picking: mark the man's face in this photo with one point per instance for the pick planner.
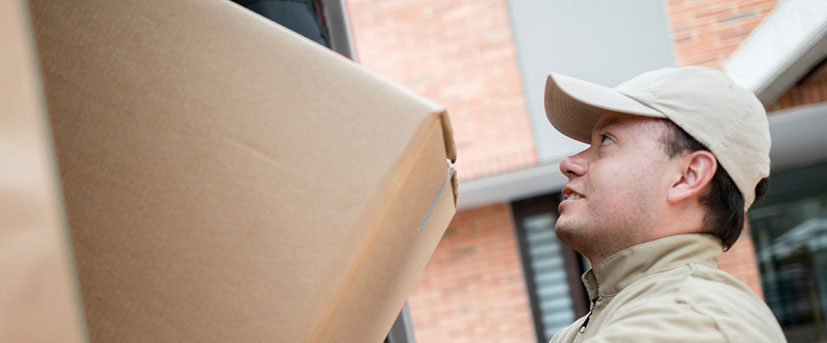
(616, 187)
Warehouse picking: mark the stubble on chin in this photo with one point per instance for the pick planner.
(574, 234)
(584, 239)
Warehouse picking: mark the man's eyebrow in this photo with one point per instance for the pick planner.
(602, 126)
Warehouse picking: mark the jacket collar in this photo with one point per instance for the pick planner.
(629, 265)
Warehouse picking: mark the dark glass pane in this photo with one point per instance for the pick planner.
(791, 248)
(301, 16)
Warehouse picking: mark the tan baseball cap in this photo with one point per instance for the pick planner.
(726, 118)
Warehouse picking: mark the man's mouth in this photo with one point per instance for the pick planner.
(569, 194)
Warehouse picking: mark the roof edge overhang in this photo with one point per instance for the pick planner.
(518, 184)
(781, 50)
(798, 137)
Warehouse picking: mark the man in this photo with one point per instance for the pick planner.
(676, 157)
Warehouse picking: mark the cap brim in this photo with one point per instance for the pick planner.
(573, 106)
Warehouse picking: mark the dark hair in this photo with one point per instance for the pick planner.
(725, 205)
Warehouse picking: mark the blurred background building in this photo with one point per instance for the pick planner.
(499, 274)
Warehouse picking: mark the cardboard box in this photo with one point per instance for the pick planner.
(39, 295)
(227, 180)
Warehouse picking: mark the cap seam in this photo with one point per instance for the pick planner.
(642, 103)
(724, 144)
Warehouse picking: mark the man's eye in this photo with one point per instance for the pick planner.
(604, 140)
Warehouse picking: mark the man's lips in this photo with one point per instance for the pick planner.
(570, 194)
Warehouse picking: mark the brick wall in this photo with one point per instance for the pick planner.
(706, 32)
(801, 94)
(740, 262)
(473, 288)
(460, 54)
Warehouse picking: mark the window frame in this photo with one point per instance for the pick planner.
(572, 261)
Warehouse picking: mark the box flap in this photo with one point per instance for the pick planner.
(219, 168)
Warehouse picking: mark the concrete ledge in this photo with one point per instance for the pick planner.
(799, 136)
(783, 48)
(523, 183)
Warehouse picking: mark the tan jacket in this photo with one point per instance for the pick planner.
(670, 290)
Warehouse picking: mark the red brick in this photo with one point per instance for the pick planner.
(716, 28)
(479, 297)
(740, 262)
(445, 50)
(801, 94)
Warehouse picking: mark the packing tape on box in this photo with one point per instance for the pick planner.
(448, 177)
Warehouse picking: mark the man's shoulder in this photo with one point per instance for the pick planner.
(734, 307)
(707, 293)
(708, 287)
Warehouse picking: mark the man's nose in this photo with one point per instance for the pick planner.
(574, 166)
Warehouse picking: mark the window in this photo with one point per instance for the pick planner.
(790, 236)
(552, 269)
(323, 21)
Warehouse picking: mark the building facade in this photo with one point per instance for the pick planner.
(499, 274)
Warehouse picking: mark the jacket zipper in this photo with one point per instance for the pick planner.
(588, 316)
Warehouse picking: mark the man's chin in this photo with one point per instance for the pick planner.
(569, 231)
(563, 229)
(567, 223)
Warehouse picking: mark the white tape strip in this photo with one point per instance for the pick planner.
(448, 177)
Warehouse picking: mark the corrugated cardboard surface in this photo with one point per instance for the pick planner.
(228, 180)
(39, 298)
(394, 252)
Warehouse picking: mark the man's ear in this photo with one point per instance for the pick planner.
(696, 171)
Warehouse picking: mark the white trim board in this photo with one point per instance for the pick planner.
(784, 47)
